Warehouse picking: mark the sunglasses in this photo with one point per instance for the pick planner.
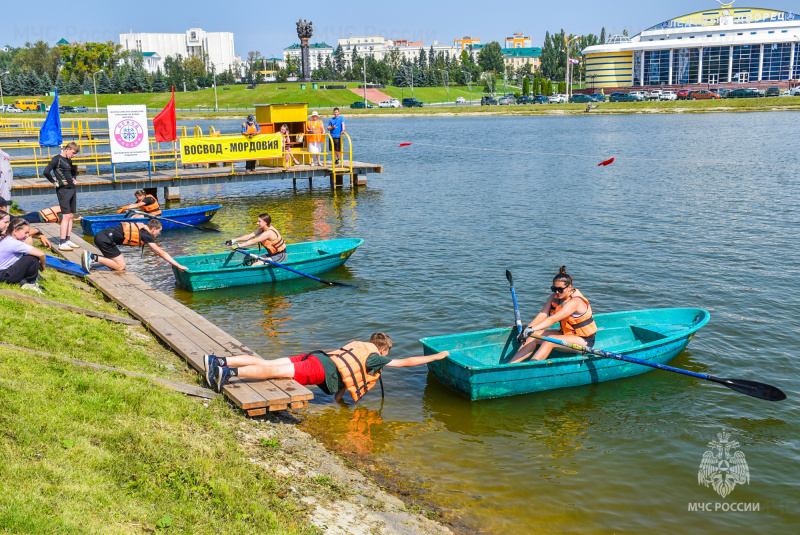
(557, 290)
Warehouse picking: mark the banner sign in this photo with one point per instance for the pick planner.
(127, 134)
(231, 148)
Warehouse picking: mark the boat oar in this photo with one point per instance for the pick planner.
(750, 388)
(204, 229)
(514, 298)
(287, 268)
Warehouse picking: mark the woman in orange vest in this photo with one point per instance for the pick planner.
(265, 235)
(355, 368)
(315, 135)
(146, 202)
(566, 305)
(132, 233)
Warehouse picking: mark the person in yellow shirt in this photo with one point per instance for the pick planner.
(315, 134)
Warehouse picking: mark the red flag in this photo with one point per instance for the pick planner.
(607, 162)
(165, 124)
(404, 144)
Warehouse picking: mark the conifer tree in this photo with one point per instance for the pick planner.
(103, 84)
(74, 86)
(45, 84)
(61, 84)
(160, 85)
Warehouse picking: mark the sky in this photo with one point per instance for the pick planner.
(269, 27)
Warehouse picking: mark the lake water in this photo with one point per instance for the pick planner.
(696, 211)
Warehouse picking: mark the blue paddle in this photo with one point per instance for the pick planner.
(514, 297)
(287, 268)
(204, 229)
(750, 388)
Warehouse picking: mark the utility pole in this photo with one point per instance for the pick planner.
(468, 79)
(446, 81)
(94, 83)
(567, 42)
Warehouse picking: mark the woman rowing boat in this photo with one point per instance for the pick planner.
(566, 305)
(265, 235)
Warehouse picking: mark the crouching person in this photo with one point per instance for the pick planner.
(20, 262)
(355, 368)
(131, 233)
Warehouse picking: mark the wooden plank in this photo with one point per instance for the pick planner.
(294, 389)
(271, 393)
(77, 310)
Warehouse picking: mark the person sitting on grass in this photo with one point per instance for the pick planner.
(355, 368)
(131, 233)
(265, 235)
(19, 261)
(145, 202)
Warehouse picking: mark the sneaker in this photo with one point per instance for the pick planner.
(73, 244)
(221, 378)
(64, 247)
(336, 162)
(210, 368)
(86, 261)
(32, 287)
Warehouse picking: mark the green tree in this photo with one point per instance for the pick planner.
(117, 80)
(88, 83)
(160, 84)
(103, 84)
(74, 86)
(554, 56)
(29, 83)
(603, 35)
(45, 84)
(490, 58)
(10, 85)
(526, 86)
(61, 84)
(39, 58)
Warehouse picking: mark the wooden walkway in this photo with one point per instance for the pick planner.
(189, 334)
(24, 187)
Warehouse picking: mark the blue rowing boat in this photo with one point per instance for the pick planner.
(191, 216)
(223, 270)
(478, 363)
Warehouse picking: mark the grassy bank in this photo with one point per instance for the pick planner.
(86, 451)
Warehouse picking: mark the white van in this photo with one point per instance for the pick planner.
(393, 103)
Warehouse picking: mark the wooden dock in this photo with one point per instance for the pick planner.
(189, 334)
(24, 187)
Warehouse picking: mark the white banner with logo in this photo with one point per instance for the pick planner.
(127, 133)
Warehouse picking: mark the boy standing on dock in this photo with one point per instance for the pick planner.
(336, 128)
(354, 368)
(62, 173)
(250, 128)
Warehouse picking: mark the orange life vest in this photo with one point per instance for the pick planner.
(130, 231)
(248, 128)
(582, 325)
(51, 215)
(153, 208)
(273, 246)
(351, 361)
(316, 132)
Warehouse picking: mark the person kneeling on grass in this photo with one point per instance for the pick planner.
(20, 262)
(130, 233)
(354, 368)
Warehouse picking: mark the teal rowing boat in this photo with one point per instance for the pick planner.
(223, 270)
(478, 363)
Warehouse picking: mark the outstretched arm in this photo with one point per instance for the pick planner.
(417, 361)
(165, 255)
(131, 207)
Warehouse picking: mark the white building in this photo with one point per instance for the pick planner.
(378, 47)
(217, 47)
(318, 53)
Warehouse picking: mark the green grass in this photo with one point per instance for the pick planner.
(434, 94)
(87, 451)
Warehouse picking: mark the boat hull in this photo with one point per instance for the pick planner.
(195, 215)
(224, 270)
(478, 368)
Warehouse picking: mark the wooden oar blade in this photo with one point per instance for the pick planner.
(752, 388)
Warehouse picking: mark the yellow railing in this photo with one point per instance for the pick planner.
(31, 127)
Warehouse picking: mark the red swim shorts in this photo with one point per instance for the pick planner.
(308, 369)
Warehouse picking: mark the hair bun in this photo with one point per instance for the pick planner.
(562, 270)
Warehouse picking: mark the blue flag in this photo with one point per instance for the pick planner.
(50, 134)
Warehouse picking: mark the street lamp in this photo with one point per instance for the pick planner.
(468, 79)
(94, 83)
(567, 73)
(2, 102)
(446, 81)
(365, 76)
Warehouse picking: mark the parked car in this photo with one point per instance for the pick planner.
(411, 102)
(12, 109)
(580, 98)
(668, 95)
(622, 97)
(392, 103)
(654, 94)
(638, 95)
(65, 109)
(461, 100)
(773, 92)
(359, 104)
(744, 93)
(541, 99)
(598, 97)
(795, 91)
(84, 109)
(525, 99)
(702, 94)
(683, 94)
(505, 101)
(756, 91)
(722, 92)
(488, 101)
(557, 99)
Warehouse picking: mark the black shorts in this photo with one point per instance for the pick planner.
(589, 340)
(106, 245)
(337, 144)
(67, 200)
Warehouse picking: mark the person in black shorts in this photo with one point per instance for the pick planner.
(61, 172)
(571, 309)
(134, 233)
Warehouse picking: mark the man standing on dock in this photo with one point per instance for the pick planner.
(62, 173)
(336, 129)
(250, 128)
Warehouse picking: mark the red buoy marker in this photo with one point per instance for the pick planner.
(607, 162)
(404, 144)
